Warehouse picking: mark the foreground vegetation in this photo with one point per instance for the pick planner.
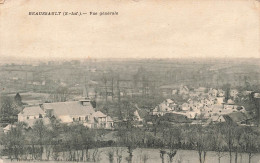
(58, 141)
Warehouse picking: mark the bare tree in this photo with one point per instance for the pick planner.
(200, 139)
(250, 140)
(104, 80)
(162, 153)
(110, 155)
(119, 154)
(61, 94)
(228, 132)
(218, 142)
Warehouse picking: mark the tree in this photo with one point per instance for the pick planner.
(104, 80)
(250, 140)
(227, 88)
(18, 99)
(156, 120)
(40, 133)
(61, 94)
(162, 153)
(200, 139)
(14, 142)
(218, 141)
(110, 155)
(174, 141)
(119, 154)
(229, 133)
(8, 111)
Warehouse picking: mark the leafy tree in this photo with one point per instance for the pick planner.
(40, 132)
(227, 88)
(8, 111)
(14, 142)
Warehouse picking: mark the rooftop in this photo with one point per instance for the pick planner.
(69, 108)
(35, 110)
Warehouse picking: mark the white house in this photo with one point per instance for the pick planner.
(137, 116)
(184, 90)
(29, 113)
(220, 100)
(102, 121)
(80, 111)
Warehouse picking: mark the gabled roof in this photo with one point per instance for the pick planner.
(109, 119)
(230, 102)
(35, 110)
(98, 114)
(69, 108)
(236, 117)
(8, 127)
(169, 101)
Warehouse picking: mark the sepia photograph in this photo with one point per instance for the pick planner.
(133, 81)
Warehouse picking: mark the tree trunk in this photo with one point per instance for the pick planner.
(106, 91)
(112, 88)
(241, 157)
(230, 156)
(249, 157)
(236, 157)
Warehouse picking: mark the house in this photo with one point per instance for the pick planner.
(183, 90)
(221, 93)
(192, 114)
(163, 108)
(174, 92)
(71, 111)
(30, 113)
(102, 121)
(8, 128)
(237, 117)
(213, 92)
(185, 107)
(137, 117)
(230, 105)
(80, 111)
(220, 99)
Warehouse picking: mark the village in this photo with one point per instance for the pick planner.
(205, 105)
(198, 106)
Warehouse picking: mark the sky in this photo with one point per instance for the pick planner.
(143, 29)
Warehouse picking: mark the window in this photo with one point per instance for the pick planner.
(79, 118)
(27, 117)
